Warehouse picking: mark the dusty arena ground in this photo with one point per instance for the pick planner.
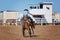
(47, 32)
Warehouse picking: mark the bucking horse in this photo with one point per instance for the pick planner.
(27, 25)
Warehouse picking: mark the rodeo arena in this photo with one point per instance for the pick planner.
(46, 22)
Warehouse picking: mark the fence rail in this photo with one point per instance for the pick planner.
(39, 21)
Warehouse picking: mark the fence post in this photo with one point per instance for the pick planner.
(16, 22)
(41, 22)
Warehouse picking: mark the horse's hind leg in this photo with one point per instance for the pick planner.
(32, 30)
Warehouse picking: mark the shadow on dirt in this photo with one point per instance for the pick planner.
(32, 36)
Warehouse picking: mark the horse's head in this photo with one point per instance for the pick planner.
(25, 18)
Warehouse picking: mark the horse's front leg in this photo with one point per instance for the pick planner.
(29, 32)
(23, 30)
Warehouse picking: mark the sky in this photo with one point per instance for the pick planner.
(24, 4)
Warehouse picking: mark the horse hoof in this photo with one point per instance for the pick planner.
(23, 35)
(30, 36)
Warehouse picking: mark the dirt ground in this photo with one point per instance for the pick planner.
(47, 32)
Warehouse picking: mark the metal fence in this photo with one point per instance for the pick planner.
(40, 20)
(43, 20)
(56, 21)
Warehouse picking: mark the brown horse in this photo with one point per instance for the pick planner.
(26, 25)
